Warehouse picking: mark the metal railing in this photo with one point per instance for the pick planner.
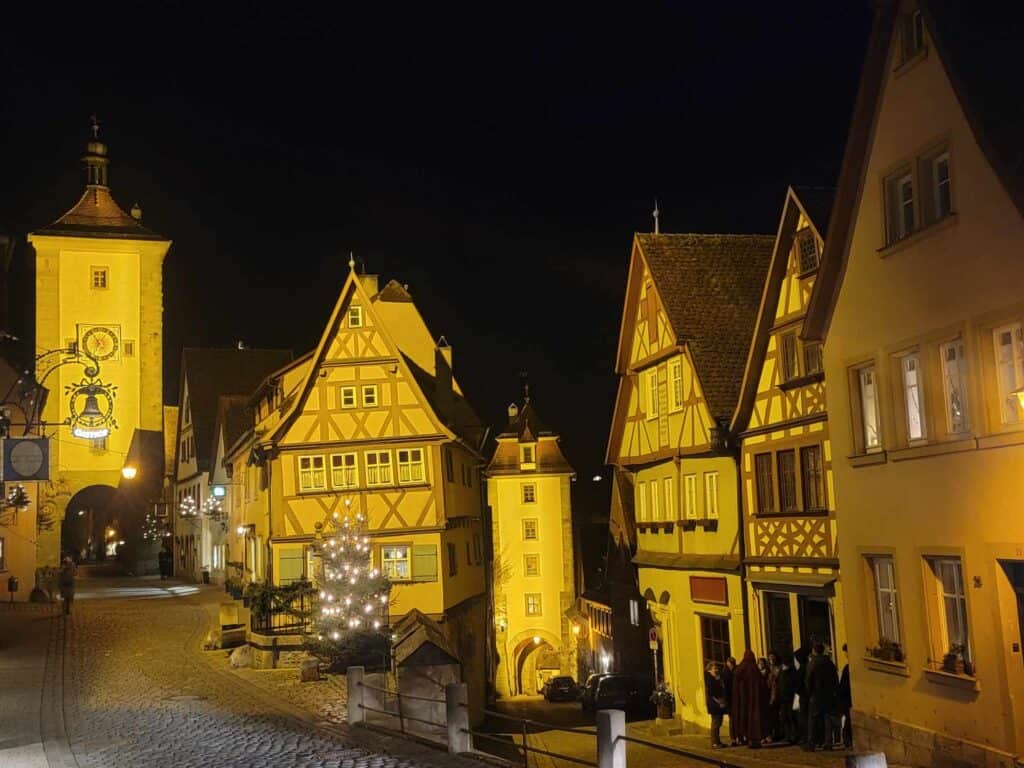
(292, 617)
(696, 756)
(402, 716)
(525, 747)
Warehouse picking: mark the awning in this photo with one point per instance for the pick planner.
(819, 584)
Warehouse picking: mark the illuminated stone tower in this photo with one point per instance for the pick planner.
(99, 289)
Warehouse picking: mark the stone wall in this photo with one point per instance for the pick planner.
(906, 744)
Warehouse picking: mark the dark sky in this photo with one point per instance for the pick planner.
(497, 160)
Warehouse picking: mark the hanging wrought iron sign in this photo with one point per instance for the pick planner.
(91, 408)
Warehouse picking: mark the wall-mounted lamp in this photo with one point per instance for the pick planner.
(128, 472)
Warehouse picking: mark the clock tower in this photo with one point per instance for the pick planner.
(99, 290)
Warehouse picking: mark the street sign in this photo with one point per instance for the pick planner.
(25, 459)
(652, 638)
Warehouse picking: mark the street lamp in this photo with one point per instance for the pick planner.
(128, 472)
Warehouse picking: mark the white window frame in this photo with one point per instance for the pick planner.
(789, 356)
(958, 596)
(954, 386)
(634, 612)
(528, 493)
(531, 565)
(528, 454)
(886, 597)
(711, 495)
(690, 496)
(651, 392)
(378, 473)
(670, 501)
(308, 472)
(641, 502)
(913, 397)
(535, 597)
(1009, 411)
(531, 525)
(347, 397)
(655, 500)
(412, 466)
(355, 316)
(806, 235)
(344, 470)
(391, 566)
(371, 396)
(899, 206)
(675, 383)
(938, 184)
(870, 426)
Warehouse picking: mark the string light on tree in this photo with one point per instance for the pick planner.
(187, 507)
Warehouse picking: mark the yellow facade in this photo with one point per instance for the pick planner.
(528, 492)
(922, 357)
(98, 268)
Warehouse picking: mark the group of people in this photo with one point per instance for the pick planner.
(802, 699)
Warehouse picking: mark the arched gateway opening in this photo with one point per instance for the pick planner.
(93, 525)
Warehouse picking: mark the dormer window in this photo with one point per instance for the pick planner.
(807, 250)
(355, 316)
(912, 35)
(528, 456)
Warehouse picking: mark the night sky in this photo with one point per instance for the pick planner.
(497, 160)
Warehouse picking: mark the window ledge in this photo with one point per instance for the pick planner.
(1001, 440)
(793, 514)
(808, 272)
(867, 459)
(912, 62)
(802, 381)
(934, 449)
(952, 679)
(888, 667)
(708, 523)
(917, 235)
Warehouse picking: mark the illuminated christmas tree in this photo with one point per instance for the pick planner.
(350, 624)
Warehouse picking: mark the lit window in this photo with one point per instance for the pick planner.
(900, 206)
(312, 475)
(634, 612)
(348, 397)
(675, 381)
(812, 358)
(343, 470)
(765, 483)
(395, 562)
(378, 468)
(954, 382)
(690, 496)
(652, 392)
(711, 495)
(911, 368)
(1009, 346)
(533, 604)
(530, 529)
(869, 409)
(786, 461)
(670, 499)
(99, 277)
(813, 476)
(527, 455)
(531, 565)
(355, 316)
(529, 493)
(790, 356)
(807, 250)
(410, 465)
(641, 501)
(950, 608)
(884, 572)
(369, 396)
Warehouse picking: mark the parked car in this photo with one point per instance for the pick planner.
(616, 691)
(562, 688)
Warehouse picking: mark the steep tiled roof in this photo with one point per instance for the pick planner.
(526, 426)
(525, 423)
(97, 214)
(462, 420)
(711, 288)
(214, 372)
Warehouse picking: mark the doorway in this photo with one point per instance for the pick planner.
(815, 621)
(779, 623)
(1014, 570)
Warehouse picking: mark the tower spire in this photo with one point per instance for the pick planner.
(657, 216)
(95, 158)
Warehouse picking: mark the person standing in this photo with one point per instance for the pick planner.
(66, 582)
(785, 690)
(822, 688)
(749, 702)
(801, 658)
(717, 701)
(845, 703)
(727, 672)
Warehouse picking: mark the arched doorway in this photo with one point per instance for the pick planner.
(535, 659)
(92, 525)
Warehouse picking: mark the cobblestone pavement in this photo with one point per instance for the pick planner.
(139, 693)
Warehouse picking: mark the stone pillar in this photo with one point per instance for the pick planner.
(356, 713)
(456, 702)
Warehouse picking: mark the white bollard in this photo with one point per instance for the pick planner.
(456, 707)
(356, 713)
(873, 760)
(611, 750)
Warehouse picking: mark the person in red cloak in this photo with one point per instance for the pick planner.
(749, 702)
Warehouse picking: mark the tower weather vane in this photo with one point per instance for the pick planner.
(657, 215)
(95, 125)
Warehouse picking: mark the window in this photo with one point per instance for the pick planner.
(369, 396)
(790, 358)
(807, 250)
(291, 565)
(1009, 346)
(477, 549)
(714, 635)
(634, 612)
(410, 466)
(449, 466)
(675, 383)
(355, 316)
(765, 483)
(530, 529)
(655, 500)
(348, 397)
(527, 455)
(343, 470)
(954, 385)
(128, 347)
(938, 202)
(99, 277)
(690, 496)
(711, 495)
(869, 409)
(813, 476)
(531, 565)
(899, 192)
(533, 604)
(884, 572)
(453, 564)
(529, 493)
(395, 562)
(3, 555)
(378, 468)
(312, 475)
(641, 501)
(812, 358)
(670, 500)
(910, 365)
(786, 461)
(652, 392)
(912, 35)
(952, 606)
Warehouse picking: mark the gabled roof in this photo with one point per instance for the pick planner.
(981, 54)
(710, 286)
(795, 204)
(525, 426)
(211, 373)
(525, 423)
(234, 418)
(97, 214)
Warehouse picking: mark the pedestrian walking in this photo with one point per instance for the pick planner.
(717, 701)
(822, 689)
(66, 582)
(845, 703)
(727, 672)
(749, 702)
(165, 564)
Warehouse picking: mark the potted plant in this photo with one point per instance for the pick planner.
(665, 700)
(954, 660)
(887, 650)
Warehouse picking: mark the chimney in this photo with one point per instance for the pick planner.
(443, 379)
(369, 284)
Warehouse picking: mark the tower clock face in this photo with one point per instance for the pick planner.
(100, 342)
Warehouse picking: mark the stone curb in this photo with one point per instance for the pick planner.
(56, 746)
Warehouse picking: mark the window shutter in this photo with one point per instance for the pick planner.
(424, 562)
